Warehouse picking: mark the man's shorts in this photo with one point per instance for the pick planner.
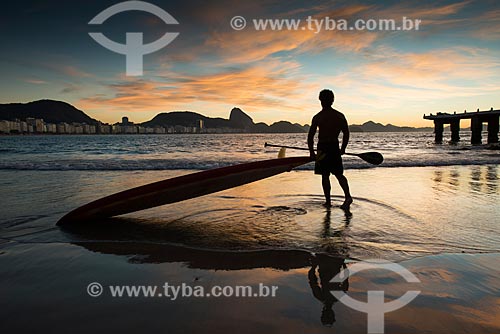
(328, 159)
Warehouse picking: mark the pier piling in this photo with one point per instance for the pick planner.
(476, 127)
(455, 130)
(438, 131)
(493, 129)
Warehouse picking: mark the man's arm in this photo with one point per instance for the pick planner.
(310, 137)
(345, 136)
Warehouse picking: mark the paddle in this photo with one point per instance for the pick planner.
(373, 158)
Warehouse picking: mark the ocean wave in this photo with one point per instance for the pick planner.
(174, 164)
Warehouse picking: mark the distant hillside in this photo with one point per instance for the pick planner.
(377, 127)
(237, 120)
(51, 112)
(285, 127)
(186, 118)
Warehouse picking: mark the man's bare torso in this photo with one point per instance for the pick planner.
(330, 123)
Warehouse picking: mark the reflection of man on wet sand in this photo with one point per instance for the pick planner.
(328, 267)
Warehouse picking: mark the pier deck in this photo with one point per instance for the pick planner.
(491, 117)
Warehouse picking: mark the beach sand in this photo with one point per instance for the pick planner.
(438, 222)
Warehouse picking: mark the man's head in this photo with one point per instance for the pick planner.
(326, 97)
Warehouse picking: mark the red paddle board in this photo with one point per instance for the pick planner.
(180, 188)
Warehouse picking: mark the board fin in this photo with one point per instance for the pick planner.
(282, 153)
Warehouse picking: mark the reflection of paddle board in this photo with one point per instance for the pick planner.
(203, 259)
(180, 188)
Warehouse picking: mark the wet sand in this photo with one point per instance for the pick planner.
(439, 223)
(44, 290)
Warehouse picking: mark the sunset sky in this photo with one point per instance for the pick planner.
(451, 63)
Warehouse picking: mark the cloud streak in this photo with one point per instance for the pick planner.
(265, 86)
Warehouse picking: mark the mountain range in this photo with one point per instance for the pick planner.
(57, 111)
(237, 120)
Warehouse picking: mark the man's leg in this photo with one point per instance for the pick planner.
(325, 181)
(345, 187)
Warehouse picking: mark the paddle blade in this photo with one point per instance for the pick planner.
(373, 158)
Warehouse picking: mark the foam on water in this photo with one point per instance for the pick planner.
(173, 152)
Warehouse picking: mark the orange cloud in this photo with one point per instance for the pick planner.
(484, 25)
(420, 12)
(444, 70)
(266, 87)
(35, 81)
(68, 70)
(253, 45)
(487, 26)
(72, 71)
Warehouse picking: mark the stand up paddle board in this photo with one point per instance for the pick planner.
(180, 188)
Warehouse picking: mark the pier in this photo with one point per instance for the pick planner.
(491, 117)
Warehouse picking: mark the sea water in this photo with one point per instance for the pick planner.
(424, 199)
(206, 151)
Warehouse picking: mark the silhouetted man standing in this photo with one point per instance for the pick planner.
(328, 159)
